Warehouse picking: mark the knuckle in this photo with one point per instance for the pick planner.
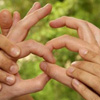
(22, 24)
(40, 86)
(64, 17)
(48, 43)
(82, 23)
(65, 36)
(30, 43)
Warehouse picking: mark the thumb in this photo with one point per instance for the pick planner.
(33, 85)
(56, 72)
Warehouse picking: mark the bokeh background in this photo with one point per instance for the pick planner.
(84, 9)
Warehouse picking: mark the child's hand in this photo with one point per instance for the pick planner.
(86, 75)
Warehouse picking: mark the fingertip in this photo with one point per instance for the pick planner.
(53, 24)
(48, 7)
(5, 19)
(83, 52)
(16, 15)
(48, 4)
(37, 5)
(16, 12)
(10, 79)
(51, 59)
(5, 12)
(15, 51)
(14, 69)
(43, 66)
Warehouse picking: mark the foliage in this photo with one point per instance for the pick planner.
(84, 9)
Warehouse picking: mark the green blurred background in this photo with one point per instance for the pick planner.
(84, 9)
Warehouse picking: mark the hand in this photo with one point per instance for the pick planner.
(30, 46)
(6, 72)
(89, 39)
(86, 75)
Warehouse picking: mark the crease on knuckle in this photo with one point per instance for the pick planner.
(30, 43)
(39, 86)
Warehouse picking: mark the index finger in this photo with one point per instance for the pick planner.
(81, 26)
(24, 25)
(71, 43)
(56, 72)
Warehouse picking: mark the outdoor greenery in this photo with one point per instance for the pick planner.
(84, 9)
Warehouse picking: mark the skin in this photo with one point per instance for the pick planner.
(30, 46)
(86, 74)
(5, 27)
(88, 40)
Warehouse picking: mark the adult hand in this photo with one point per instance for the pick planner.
(89, 39)
(86, 75)
(30, 46)
(7, 67)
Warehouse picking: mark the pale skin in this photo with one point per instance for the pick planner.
(89, 43)
(30, 46)
(5, 24)
(88, 47)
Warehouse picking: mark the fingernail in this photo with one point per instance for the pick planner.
(15, 51)
(43, 66)
(74, 63)
(14, 69)
(76, 82)
(83, 51)
(10, 79)
(70, 69)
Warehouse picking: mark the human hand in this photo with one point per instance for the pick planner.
(89, 39)
(30, 46)
(86, 75)
(7, 67)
